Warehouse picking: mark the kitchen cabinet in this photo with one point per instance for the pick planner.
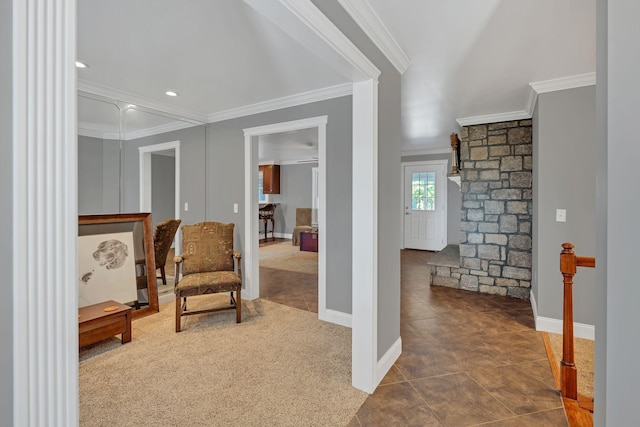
(270, 179)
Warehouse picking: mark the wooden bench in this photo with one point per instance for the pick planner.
(95, 324)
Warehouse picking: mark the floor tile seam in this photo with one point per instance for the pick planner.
(495, 397)
(426, 404)
(517, 416)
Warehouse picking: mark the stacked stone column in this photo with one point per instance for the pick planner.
(496, 187)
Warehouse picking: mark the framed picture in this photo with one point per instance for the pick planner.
(116, 261)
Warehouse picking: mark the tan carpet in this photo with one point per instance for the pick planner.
(583, 354)
(280, 367)
(285, 256)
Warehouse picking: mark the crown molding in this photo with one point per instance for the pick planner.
(369, 21)
(120, 95)
(408, 153)
(85, 130)
(553, 85)
(284, 102)
(494, 118)
(92, 133)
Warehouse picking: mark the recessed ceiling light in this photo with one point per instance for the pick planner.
(171, 93)
(81, 64)
(131, 106)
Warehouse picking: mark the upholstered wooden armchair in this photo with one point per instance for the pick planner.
(163, 236)
(303, 223)
(207, 265)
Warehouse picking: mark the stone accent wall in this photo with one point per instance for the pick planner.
(496, 187)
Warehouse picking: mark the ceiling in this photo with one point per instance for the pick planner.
(466, 58)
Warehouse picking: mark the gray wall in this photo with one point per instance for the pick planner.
(295, 192)
(617, 337)
(565, 178)
(454, 197)
(192, 171)
(90, 174)
(389, 198)
(6, 213)
(225, 164)
(163, 188)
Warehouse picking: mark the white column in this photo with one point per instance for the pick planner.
(365, 236)
(45, 225)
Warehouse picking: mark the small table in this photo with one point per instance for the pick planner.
(95, 324)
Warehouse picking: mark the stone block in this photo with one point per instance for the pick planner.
(478, 187)
(468, 165)
(495, 185)
(487, 164)
(503, 253)
(486, 281)
(507, 282)
(497, 140)
(467, 250)
(449, 282)
(511, 163)
(527, 194)
(523, 149)
(516, 273)
(468, 226)
(483, 197)
(471, 204)
(464, 151)
(493, 290)
(443, 271)
(499, 150)
(470, 175)
(495, 270)
(493, 207)
(518, 241)
(464, 133)
(488, 252)
(520, 293)
(527, 162)
(527, 122)
(503, 125)
(475, 215)
(519, 135)
(469, 282)
(475, 238)
(490, 175)
(471, 263)
(478, 273)
(525, 284)
(520, 180)
(477, 132)
(484, 265)
(525, 227)
(506, 194)
(505, 176)
(496, 239)
(488, 227)
(508, 224)
(491, 218)
(519, 259)
(517, 207)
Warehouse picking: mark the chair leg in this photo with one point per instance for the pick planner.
(178, 313)
(238, 307)
(164, 276)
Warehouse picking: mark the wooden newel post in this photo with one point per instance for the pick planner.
(569, 377)
(568, 266)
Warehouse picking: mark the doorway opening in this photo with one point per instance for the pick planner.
(251, 255)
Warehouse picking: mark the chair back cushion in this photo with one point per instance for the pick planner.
(207, 246)
(303, 216)
(162, 237)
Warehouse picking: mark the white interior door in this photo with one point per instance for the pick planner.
(425, 206)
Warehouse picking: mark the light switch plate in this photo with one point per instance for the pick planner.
(235, 208)
(186, 206)
(561, 215)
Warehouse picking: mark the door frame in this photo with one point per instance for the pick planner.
(145, 153)
(443, 162)
(251, 278)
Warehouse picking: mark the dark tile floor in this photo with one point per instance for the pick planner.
(467, 359)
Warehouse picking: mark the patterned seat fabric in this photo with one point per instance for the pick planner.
(163, 236)
(303, 223)
(208, 267)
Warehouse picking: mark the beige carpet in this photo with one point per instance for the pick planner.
(279, 367)
(583, 354)
(285, 256)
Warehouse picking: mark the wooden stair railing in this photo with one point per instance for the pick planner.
(568, 267)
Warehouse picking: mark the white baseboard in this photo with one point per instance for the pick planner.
(278, 235)
(337, 317)
(549, 324)
(389, 358)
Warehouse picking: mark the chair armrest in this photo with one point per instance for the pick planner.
(178, 259)
(237, 255)
(238, 258)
